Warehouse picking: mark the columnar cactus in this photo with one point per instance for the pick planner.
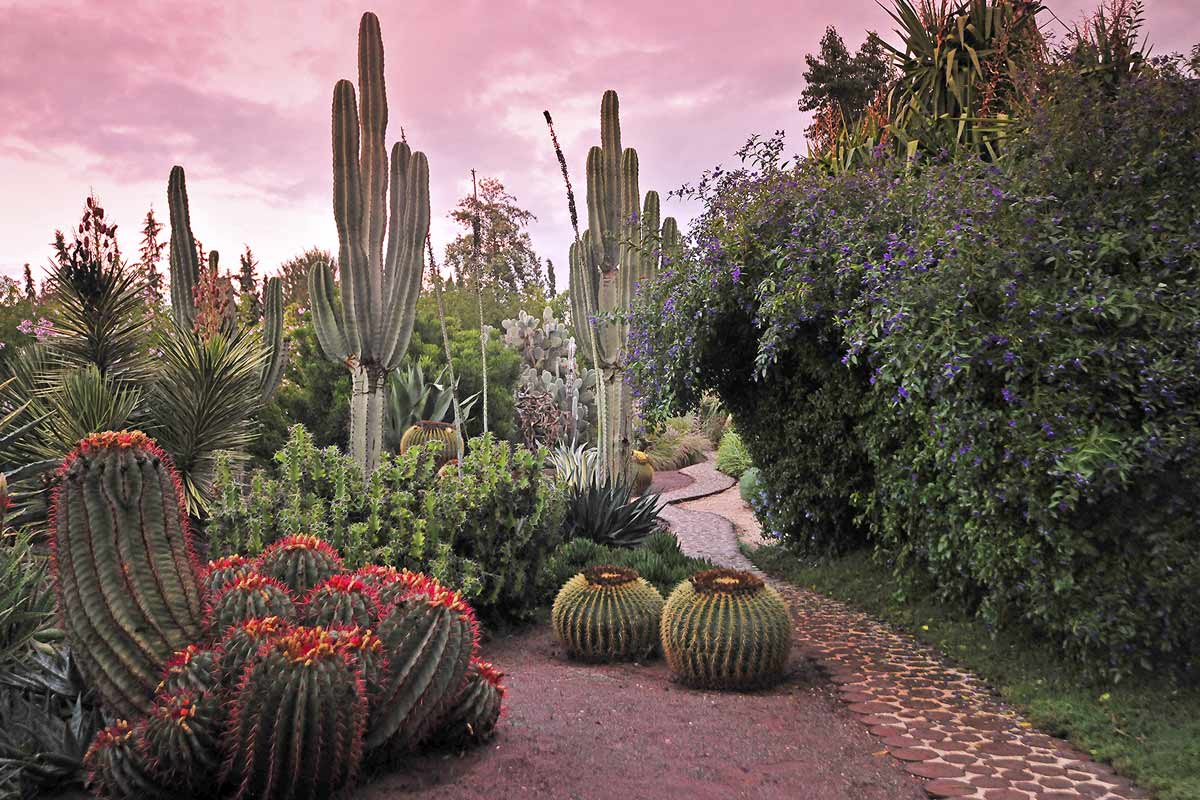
(297, 721)
(226, 569)
(607, 613)
(343, 600)
(379, 288)
(725, 629)
(127, 579)
(426, 431)
(248, 597)
(473, 714)
(300, 562)
(187, 279)
(622, 247)
(430, 638)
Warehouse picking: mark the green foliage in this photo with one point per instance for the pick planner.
(607, 613)
(26, 601)
(675, 444)
(600, 508)
(844, 84)
(753, 488)
(732, 456)
(724, 629)
(413, 399)
(658, 560)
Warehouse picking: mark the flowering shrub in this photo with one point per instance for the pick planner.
(990, 370)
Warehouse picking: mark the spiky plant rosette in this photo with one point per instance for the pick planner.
(726, 629)
(251, 596)
(221, 571)
(300, 562)
(194, 668)
(180, 740)
(607, 613)
(242, 642)
(472, 716)
(298, 717)
(115, 767)
(125, 572)
(343, 600)
(430, 637)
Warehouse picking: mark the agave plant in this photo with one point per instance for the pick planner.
(599, 507)
(412, 398)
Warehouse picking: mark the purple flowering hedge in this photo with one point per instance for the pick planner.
(991, 372)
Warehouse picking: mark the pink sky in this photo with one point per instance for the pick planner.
(106, 96)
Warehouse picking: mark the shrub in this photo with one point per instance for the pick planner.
(732, 456)
(659, 561)
(676, 444)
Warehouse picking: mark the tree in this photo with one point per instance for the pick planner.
(507, 259)
(550, 290)
(150, 254)
(840, 84)
(249, 303)
(294, 274)
(30, 287)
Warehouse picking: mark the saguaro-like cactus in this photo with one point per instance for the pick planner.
(369, 329)
(186, 277)
(621, 247)
(127, 578)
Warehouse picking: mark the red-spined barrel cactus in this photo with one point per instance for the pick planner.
(430, 638)
(225, 570)
(180, 741)
(194, 669)
(248, 597)
(300, 562)
(342, 600)
(125, 572)
(364, 646)
(389, 583)
(472, 716)
(242, 642)
(298, 719)
(116, 766)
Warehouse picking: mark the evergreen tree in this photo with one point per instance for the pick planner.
(249, 303)
(844, 85)
(550, 286)
(30, 287)
(494, 227)
(150, 254)
(294, 274)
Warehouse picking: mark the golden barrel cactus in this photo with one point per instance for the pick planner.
(607, 613)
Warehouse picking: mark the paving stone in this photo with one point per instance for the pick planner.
(944, 787)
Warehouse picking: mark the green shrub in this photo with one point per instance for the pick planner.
(752, 487)
(732, 456)
(676, 444)
(659, 560)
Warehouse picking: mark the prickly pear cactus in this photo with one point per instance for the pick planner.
(726, 629)
(542, 343)
(607, 613)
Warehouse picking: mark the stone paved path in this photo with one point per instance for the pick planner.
(944, 724)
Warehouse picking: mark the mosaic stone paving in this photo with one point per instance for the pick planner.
(942, 723)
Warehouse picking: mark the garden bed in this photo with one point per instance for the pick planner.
(626, 731)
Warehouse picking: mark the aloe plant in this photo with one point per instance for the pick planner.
(368, 329)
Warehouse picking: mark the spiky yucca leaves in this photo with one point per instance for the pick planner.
(472, 716)
(298, 720)
(222, 571)
(343, 600)
(194, 668)
(726, 629)
(117, 769)
(180, 741)
(607, 613)
(430, 638)
(426, 431)
(242, 642)
(251, 596)
(126, 576)
(300, 562)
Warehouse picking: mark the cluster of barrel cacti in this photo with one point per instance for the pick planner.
(719, 629)
(276, 677)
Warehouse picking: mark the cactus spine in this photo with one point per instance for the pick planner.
(126, 576)
(621, 247)
(300, 563)
(297, 720)
(248, 597)
(369, 333)
(725, 629)
(607, 613)
(426, 431)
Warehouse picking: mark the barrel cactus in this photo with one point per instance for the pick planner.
(297, 720)
(390, 584)
(473, 714)
(366, 648)
(116, 767)
(342, 600)
(726, 629)
(225, 570)
(243, 641)
(430, 638)
(607, 613)
(427, 431)
(643, 472)
(251, 596)
(180, 740)
(300, 562)
(127, 579)
(194, 669)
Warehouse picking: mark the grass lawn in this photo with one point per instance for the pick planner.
(1147, 727)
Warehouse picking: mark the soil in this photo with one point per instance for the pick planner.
(669, 481)
(729, 504)
(587, 732)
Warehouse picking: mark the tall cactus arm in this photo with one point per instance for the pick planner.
(410, 213)
(272, 334)
(671, 238)
(651, 239)
(185, 269)
(373, 169)
(348, 216)
(327, 322)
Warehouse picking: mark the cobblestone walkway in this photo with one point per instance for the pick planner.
(944, 724)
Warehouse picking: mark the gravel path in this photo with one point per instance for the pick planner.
(943, 724)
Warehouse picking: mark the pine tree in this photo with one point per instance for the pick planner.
(550, 286)
(249, 303)
(30, 287)
(150, 254)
